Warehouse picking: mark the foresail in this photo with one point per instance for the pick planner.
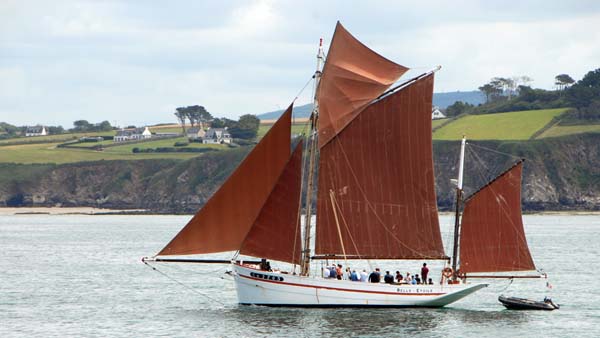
(492, 238)
(276, 232)
(353, 76)
(225, 220)
(380, 169)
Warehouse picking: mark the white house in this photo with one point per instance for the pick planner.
(437, 114)
(36, 131)
(132, 134)
(195, 133)
(217, 136)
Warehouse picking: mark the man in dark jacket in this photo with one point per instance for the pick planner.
(388, 278)
(375, 276)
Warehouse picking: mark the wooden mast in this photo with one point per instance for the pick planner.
(312, 152)
(459, 192)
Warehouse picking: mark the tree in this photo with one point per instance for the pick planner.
(246, 127)
(198, 114)
(55, 130)
(585, 91)
(563, 81)
(222, 123)
(491, 91)
(458, 108)
(181, 115)
(104, 126)
(217, 123)
(81, 125)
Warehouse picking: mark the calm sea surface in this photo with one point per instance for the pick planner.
(82, 276)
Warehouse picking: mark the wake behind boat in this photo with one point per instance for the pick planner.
(371, 147)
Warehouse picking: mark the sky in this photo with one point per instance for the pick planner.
(134, 62)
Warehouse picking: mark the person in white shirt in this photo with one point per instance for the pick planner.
(364, 276)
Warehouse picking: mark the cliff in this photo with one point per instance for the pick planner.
(560, 174)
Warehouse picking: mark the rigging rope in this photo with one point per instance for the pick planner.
(507, 286)
(495, 151)
(182, 284)
(350, 235)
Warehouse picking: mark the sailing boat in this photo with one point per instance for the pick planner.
(375, 194)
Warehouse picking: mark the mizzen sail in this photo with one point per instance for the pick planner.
(225, 220)
(275, 233)
(353, 76)
(380, 169)
(492, 238)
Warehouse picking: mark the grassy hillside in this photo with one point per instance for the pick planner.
(49, 153)
(53, 138)
(558, 130)
(502, 126)
(297, 128)
(438, 122)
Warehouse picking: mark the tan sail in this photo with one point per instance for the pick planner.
(380, 168)
(225, 220)
(492, 238)
(352, 77)
(276, 232)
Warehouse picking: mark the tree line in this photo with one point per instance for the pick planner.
(504, 94)
(246, 127)
(9, 131)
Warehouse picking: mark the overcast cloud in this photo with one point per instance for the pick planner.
(134, 62)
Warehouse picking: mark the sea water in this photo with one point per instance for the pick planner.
(81, 276)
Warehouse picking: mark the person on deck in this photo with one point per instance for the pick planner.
(388, 278)
(399, 277)
(364, 276)
(348, 274)
(424, 272)
(355, 277)
(265, 265)
(339, 272)
(430, 281)
(416, 280)
(375, 276)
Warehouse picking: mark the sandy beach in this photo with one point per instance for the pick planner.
(5, 211)
(63, 211)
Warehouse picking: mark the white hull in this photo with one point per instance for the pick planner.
(277, 289)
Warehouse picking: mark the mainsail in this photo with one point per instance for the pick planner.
(380, 169)
(352, 77)
(226, 219)
(492, 238)
(276, 231)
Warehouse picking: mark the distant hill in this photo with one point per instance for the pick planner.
(299, 111)
(441, 100)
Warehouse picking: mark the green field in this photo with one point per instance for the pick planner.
(519, 125)
(297, 128)
(49, 153)
(53, 138)
(128, 148)
(167, 129)
(438, 122)
(558, 130)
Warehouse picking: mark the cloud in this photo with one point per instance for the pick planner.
(136, 62)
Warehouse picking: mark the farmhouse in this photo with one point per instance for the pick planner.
(217, 136)
(195, 133)
(437, 114)
(124, 135)
(36, 131)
